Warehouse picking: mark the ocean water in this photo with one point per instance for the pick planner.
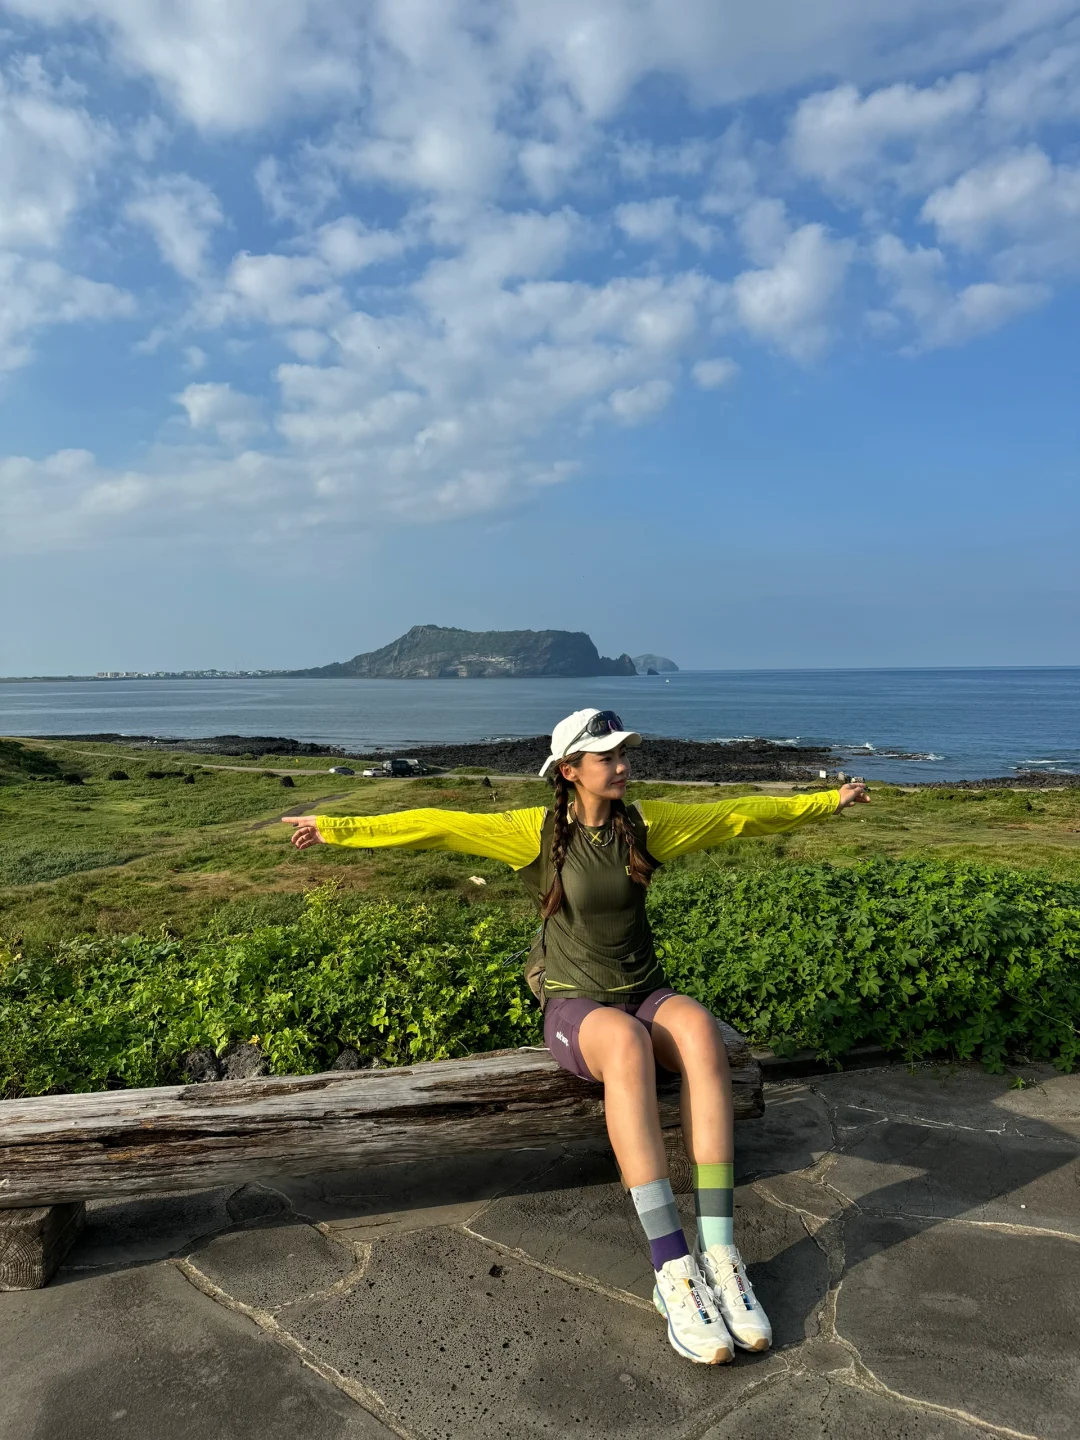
(969, 723)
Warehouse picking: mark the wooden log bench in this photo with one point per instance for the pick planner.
(58, 1151)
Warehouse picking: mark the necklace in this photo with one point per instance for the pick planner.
(600, 835)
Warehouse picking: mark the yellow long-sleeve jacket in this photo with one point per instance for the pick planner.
(513, 836)
(599, 944)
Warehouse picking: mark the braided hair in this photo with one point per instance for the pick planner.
(641, 866)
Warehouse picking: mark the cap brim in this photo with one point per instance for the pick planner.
(595, 745)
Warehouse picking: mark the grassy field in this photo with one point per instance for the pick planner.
(110, 856)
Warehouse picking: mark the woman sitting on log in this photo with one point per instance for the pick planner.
(609, 1017)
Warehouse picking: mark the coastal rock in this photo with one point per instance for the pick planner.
(660, 758)
(655, 664)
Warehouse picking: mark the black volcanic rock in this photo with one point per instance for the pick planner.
(659, 758)
(438, 652)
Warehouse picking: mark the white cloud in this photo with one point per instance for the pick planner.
(297, 191)
(850, 143)
(1021, 204)
(917, 283)
(640, 402)
(224, 66)
(181, 213)
(1037, 83)
(49, 152)
(211, 405)
(788, 304)
(478, 264)
(348, 245)
(459, 401)
(35, 294)
(714, 374)
(273, 290)
(67, 497)
(661, 221)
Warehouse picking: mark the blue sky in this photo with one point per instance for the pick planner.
(746, 334)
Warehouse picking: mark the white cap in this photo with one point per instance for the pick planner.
(570, 737)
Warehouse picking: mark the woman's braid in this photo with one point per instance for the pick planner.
(642, 865)
(560, 843)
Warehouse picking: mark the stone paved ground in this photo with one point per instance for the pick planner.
(915, 1237)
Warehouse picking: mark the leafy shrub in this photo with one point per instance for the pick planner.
(405, 982)
(920, 957)
(117, 775)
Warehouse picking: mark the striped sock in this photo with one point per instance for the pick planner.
(659, 1218)
(713, 1196)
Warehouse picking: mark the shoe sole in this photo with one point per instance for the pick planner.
(723, 1356)
(756, 1345)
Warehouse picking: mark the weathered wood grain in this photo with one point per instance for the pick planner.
(188, 1137)
(34, 1241)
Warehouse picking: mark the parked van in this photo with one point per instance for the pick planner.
(403, 767)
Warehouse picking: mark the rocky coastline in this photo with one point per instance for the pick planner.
(660, 758)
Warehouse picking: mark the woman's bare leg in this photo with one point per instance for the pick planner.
(686, 1039)
(618, 1051)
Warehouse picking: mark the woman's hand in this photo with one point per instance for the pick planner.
(849, 795)
(306, 832)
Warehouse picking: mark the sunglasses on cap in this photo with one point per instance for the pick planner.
(604, 722)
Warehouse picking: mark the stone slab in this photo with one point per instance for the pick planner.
(810, 1408)
(155, 1227)
(367, 1201)
(133, 1232)
(793, 1134)
(460, 1341)
(275, 1265)
(979, 1320)
(962, 1097)
(904, 1169)
(141, 1355)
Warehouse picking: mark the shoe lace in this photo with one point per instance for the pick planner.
(691, 1293)
(733, 1280)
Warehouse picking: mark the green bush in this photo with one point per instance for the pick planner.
(920, 957)
(404, 982)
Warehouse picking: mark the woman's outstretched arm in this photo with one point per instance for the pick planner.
(676, 829)
(512, 836)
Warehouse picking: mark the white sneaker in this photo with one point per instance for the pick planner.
(694, 1324)
(723, 1268)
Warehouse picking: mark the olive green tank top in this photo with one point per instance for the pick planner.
(599, 945)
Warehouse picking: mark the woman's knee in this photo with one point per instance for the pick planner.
(613, 1042)
(686, 1025)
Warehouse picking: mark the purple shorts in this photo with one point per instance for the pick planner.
(562, 1021)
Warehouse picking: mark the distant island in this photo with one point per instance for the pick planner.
(655, 665)
(439, 652)
(433, 652)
